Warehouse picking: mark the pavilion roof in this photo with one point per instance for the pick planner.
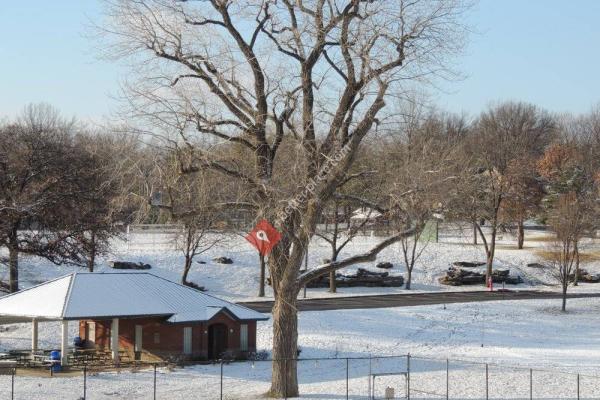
(84, 295)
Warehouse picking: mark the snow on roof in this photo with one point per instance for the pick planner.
(85, 295)
(45, 301)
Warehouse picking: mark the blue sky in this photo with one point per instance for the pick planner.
(541, 51)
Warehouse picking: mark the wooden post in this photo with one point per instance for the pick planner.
(64, 344)
(34, 335)
(114, 340)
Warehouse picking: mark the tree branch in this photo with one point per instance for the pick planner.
(371, 255)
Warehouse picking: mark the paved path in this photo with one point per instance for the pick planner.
(412, 299)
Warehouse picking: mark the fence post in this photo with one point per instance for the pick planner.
(154, 383)
(84, 381)
(487, 382)
(12, 384)
(530, 383)
(347, 376)
(577, 386)
(221, 380)
(407, 376)
(447, 379)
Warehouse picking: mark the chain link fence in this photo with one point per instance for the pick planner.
(398, 377)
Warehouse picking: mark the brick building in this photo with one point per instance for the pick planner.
(139, 315)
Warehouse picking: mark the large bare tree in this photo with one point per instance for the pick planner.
(565, 219)
(257, 74)
(502, 135)
(99, 216)
(423, 174)
(190, 201)
(45, 181)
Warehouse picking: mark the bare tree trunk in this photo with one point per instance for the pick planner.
(186, 269)
(564, 293)
(189, 254)
(334, 250)
(91, 261)
(13, 266)
(261, 284)
(474, 232)
(284, 381)
(92, 255)
(520, 233)
(490, 248)
(490, 253)
(576, 251)
(409, 265)
(332, 283)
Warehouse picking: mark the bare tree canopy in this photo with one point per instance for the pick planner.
(49, 189)
(503, 138)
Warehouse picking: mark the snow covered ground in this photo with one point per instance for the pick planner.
(524, 334)
(239, 281)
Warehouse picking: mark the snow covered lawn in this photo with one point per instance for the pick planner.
(525, 334)
(239, 281)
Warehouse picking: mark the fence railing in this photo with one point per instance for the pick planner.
(405, 376)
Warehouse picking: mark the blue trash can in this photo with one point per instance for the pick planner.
(55, 357)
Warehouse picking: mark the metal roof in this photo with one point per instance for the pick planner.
(84, 295)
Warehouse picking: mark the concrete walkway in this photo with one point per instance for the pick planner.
(412, 299)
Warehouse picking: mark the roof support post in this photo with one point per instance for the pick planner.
(114, 340)
(34, 335)
(64, 344)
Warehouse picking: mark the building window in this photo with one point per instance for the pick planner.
(156, 338)
(244, 337)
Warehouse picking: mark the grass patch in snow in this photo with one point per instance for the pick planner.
(584, 257)
(545, 238)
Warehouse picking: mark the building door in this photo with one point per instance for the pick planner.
(187, 340)
(217, 341)
(243, 337)
(139, 334)
(90, 334)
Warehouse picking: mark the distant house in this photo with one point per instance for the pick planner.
(365, 214)
(140, 315)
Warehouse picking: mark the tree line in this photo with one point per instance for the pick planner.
(67, 190)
